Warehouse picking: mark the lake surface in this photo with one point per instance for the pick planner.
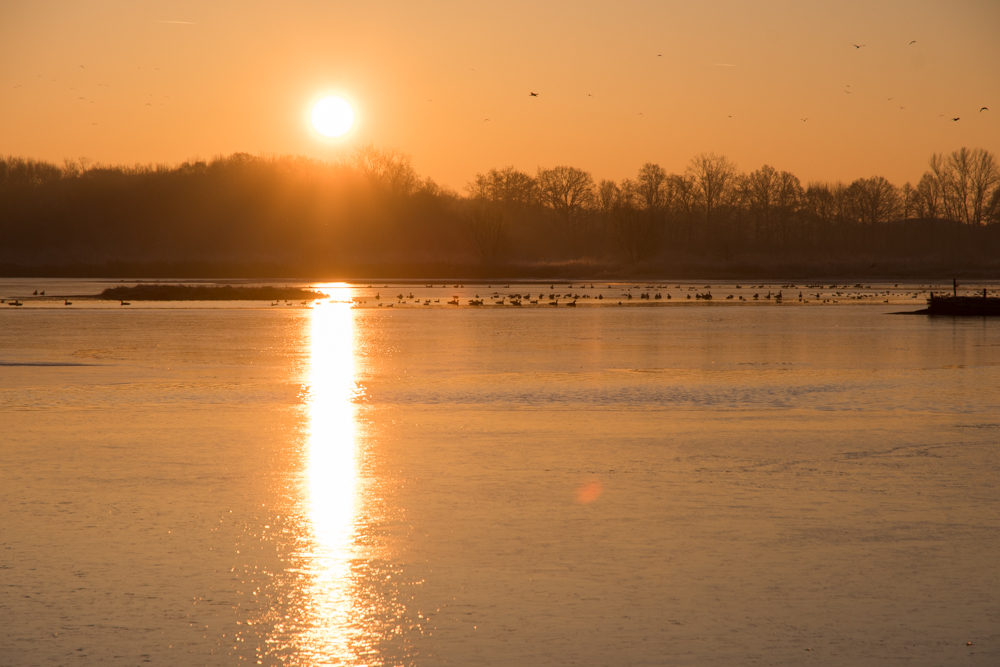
(695, 484)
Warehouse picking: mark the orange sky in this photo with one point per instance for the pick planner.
(125, 81)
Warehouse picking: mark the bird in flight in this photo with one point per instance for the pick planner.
(533, 94)
(984, 109)
(589, 95)
(858, 46)
(485, 120)
(803, 119)
(954, 118)
(913, 42)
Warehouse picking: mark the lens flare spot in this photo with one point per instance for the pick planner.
(589, 492)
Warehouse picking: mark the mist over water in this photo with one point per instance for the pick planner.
(708, 484)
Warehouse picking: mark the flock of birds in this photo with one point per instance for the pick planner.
(535, 94)
(622, 295)
(849, 92)
(81, 98)
(571, 295)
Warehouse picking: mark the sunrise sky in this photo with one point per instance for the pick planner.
(618, 83)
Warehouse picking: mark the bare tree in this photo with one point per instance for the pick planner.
(992, 215)
(787, 202)
(651, 188)
(18, 172)
(972, 176)
(758, 190)
(820, 206)
(486, 231)
(507, 186)
(874, 200)
(566, 190)
(386, 169)
(607, 197)
(714, 178)
(683, 198)
(633, 226)
(927, 199)
(907, 197)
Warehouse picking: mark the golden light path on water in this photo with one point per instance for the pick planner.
(334, 635)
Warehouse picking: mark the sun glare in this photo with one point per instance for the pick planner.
(332, 116)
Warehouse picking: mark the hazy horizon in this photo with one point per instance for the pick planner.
(618, 85)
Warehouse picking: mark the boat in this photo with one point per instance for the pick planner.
(963, 305)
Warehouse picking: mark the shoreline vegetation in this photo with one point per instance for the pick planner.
(371, 217)
(164, 292)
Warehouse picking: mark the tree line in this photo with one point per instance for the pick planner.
(371, 214)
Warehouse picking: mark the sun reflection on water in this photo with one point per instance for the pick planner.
(332, 474)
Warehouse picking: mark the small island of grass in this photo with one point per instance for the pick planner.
(165, 292)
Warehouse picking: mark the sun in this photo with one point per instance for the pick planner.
(332, 116)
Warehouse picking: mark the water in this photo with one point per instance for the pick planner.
(717, 483)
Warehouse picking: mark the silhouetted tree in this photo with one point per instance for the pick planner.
(372, 215)
(927, 199)
(386, 169)
(714, 178)
(873, 200)
(651, 187)
(507, 186)
(633, 223)
(566, 190)
(969, 179)
(487, 231)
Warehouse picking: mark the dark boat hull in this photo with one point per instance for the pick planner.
(963, 305)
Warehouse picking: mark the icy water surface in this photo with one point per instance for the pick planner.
(710, 484)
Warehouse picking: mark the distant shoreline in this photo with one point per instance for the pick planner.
(571, 271)
(180, 292)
